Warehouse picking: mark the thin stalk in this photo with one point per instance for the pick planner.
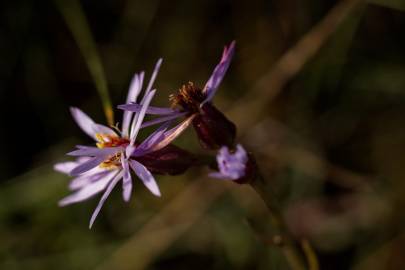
(283, 239)
(310, 254)
(75, 19)
(287, 244)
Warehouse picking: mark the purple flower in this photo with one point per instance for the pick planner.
(190, 99)
(99, 169)
(219, 72)
(232, 166)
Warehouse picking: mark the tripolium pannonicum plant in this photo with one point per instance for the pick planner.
(118, 152)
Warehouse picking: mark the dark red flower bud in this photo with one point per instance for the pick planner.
(213, 128)
(170, 160)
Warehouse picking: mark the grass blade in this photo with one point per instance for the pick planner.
(75, 19)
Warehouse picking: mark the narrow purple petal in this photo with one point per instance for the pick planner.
(88, 125)
(86, 166)
(162, 119)
(231, 165)
(88, 191)
(147, 145)
(146, 177)
(141, 77)
(95, 151)
(219, 72)
(138, 118)
(127, 180)
(110, 187)
(135, 107)
(152, 78)
(129, 150)
(84, 121)
(172, 134)
(87, 178)
(136, 125)
(241, 154)
(134, 90)
(79, 146)
(65, 167)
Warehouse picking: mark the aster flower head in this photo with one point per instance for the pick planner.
(233, 165)
(212, 126)
(99, 168)
(191, 98)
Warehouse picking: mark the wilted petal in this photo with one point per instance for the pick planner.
(88, 191)
(145, 176)
(86, 166)
(110, 187)
(219, 72)
(127, 180)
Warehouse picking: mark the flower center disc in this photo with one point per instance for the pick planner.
(107, 140)
(189, 97)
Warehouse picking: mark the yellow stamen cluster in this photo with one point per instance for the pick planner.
(112, 162)
(107, 140)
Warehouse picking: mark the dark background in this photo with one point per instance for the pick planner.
(331, 139)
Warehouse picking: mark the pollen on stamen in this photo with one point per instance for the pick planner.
(107, 140)
(113, 162)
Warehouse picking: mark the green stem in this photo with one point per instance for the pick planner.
(76, 21)
(293, 255)
(287, 244)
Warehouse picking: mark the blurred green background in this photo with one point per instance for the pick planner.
(316, 88)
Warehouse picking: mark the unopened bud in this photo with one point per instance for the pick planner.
(170, 160)
(213, 128)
